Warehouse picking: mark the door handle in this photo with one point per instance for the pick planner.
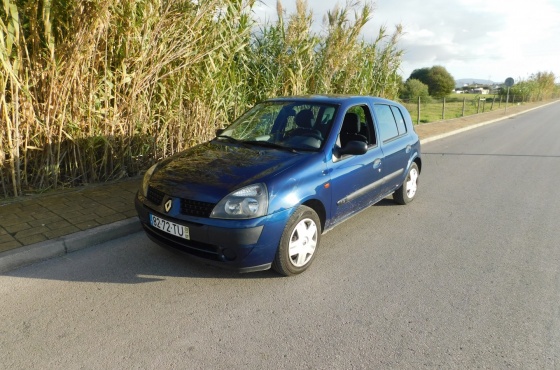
(377, 164)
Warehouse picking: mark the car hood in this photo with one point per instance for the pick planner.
(209, 171)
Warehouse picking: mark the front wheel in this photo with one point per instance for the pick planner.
(405, 194)
(299, 242)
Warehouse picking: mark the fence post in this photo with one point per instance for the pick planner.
(418, 119)
(478, 107)
(492, 106)
(464, 102)
(443, 109)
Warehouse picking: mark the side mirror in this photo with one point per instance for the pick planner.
(354, 147)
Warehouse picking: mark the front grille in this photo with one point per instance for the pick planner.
(189, 207)
(196, 208)
(155, 196)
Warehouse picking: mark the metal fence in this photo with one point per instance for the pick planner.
(430, 109)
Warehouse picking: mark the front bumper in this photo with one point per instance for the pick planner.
(243, 245)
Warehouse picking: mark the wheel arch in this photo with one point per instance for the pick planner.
(319, 208)
(418, 162)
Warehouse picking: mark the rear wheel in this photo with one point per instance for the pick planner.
(405, 194)
(299, 242)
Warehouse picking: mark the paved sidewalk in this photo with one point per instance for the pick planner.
(37, 227)
(35, 219)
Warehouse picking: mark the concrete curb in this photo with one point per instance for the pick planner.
(33, 253)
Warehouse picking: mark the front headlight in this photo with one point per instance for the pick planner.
(146, 179)
(248, 202)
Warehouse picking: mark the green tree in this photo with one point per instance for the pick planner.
(413, 89)
(440, 82)
(420, 74)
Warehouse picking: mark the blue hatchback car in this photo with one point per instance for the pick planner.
(261, 193)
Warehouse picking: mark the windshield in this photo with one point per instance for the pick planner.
(290, 125)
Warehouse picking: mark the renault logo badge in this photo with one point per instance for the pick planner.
(168, 205)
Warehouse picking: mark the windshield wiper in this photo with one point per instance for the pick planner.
(228, 138)
(232, 140)
(249, 143)
(268, 144)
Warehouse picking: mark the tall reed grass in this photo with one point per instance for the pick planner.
(97, 90)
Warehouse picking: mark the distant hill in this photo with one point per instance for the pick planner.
(468, 81)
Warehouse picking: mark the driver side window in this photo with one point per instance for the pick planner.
(357, 126)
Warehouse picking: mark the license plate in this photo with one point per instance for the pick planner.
(170, 227)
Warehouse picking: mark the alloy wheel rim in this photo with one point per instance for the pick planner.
(303, 242)
(412, 183)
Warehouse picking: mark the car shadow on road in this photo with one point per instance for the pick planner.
(130, 260)
(386, 202)
(136, 259)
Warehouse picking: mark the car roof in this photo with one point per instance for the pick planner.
(332, 99)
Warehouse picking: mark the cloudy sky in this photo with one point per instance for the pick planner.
(483, 39)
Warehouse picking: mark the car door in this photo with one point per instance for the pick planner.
(396, 149)
(356, 180)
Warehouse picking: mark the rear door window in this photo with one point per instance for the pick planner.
(399, 119)
(387, 124)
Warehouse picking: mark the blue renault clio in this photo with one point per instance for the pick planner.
(261, 193)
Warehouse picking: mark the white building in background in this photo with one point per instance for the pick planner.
(481, 91)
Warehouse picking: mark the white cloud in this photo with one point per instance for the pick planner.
(470, 38)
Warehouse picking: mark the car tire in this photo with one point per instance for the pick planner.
(299, 242)
(407, 191)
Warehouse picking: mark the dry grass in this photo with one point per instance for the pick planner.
(95, 91)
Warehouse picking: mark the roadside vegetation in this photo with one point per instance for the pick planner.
(429, 94)
(97, 90)
(456, 105)
(438, 81)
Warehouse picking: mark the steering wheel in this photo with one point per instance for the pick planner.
(316, 134)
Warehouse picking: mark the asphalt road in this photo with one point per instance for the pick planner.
(466, 276)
